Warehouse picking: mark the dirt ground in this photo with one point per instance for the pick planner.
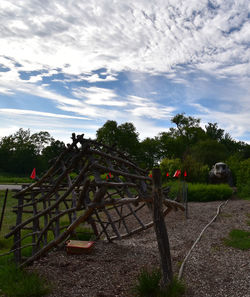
(112, 268)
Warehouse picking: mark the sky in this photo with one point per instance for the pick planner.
(69, 66)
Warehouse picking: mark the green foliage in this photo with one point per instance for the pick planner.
(149, 152)
(170, 166)
(241, 174)
(209, 152)
(206, 193)
(239, 239)
(243, 178)
(148, 285)
(201, 192)
(213, 132)
(15, 282)
(175, 289)
(124, 137)
(196, 171)
(22, 151)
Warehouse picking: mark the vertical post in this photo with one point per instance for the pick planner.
(160, 228)
(3, 209)
(17, 235)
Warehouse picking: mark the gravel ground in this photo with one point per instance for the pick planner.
(111, 269)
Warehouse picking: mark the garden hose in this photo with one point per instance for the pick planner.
(199, 237)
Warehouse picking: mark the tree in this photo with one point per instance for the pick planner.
(187, 133)
(21, 151)
(17, 152)
(108, 133)
(52, 151)
(41, 140)
(184, 124)
(150, 152)
(124, 137)
(209, 152)
(170, 147)
(213, 132)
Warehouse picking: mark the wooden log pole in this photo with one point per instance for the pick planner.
(160, 229)
(3, 209)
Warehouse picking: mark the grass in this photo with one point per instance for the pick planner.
(16, 282)
(239, 239)
(148, 285)
(5, 179)
(248, 221)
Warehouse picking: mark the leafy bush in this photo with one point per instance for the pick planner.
(206, 193)
(201, 192)
(196, 172)
(241, 173)
(170, 166)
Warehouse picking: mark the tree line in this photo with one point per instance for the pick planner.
(187, 143)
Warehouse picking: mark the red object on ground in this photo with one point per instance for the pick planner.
(33, 174)
(78, 246)
(177, 173)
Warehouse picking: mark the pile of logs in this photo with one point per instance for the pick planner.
(89, 183)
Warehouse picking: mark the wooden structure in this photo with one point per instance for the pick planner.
(89, 183)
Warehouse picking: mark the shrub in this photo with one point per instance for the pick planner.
(201, 192)
(170, 166)
(241, 173)
(196, 172)
(206, 193)
(149, 285)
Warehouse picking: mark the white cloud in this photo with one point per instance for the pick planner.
(171, 38)
(98, 96)
(38, 113)
(144, 107)
(141, 36)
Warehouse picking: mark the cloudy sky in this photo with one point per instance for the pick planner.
(69, 66)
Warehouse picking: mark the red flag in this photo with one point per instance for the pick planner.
(177, 173)
(33, 174)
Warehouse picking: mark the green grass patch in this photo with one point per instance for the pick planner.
(201, 192)
(16, 282)
(148, 285)
(5, 179)
(248, 221)
(239, 239)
